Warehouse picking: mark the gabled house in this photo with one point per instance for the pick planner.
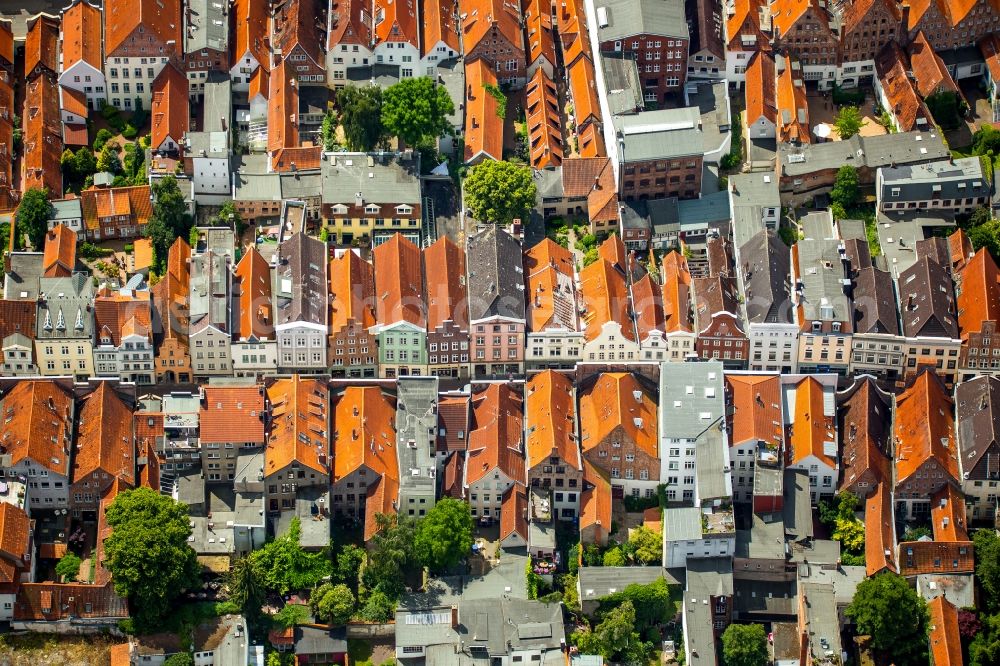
(929, 71)
(64, 326)
(763, 269)
(791, 103)
(930, 325)
(170, 111)
(17, 561)
(678, 322)
(867, 27)
(897, 93)
(491, 31)
(951, 25)
(647, 306)
(447, 309)
(43, 137)
(554, 463)
(926, 455)
(864, 419)
(36, 435)
(365, 477)
(135, 30)
(105, 450)
(439, 40)
(396, 37)
(876, 346)
(806, 31)
(41, 47)
(297, 453)
(720, 334)
(495, 463)
(755, 428)
(400, 310)
(606, 310)
(880, 531)
(618, 426)
(250, 42)
(170, 298)
(210, 327)
(811, 418)
(483, 124)
(554, 337)
(17, 335)
(205, 50)
(82, 67)
(707, 51)
(595, 506)
(300, 298)
(761, 99)
(945, 637)
(231, 423)
(116, 212)
(297, 37)
(977, 289)
(123, 345)
(977, 406)
(351, 345)
(497, 318)
(543, 117)
(254, 348)
(349, 40)
(747, 28)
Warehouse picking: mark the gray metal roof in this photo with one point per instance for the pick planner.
(66, 312)
(628, 18)
(21, 281)
(496, 275)
(821, 615)
(711, 455)
(797, 511)
(257, 187)
(416, 432)
(875, 302)
(621, 81)
(858, 151)
(380, 179)
(927, 300)
(691, 399)
(206, 27)
(301, 185)
(66, 209)
(705, 578)
(662, 134)
(548, 183)
(750, 194)
(211, 292)
(598, 582)
(682, 523)
(310, 503)
(946, 179)
(300, 281)
(764, 265)
(820, 272)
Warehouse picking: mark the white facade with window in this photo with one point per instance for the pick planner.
(130, 361)
(210, 352)
(89, 80)
(403, 54)
(242, 71)
(611, 345)
(259, 357)
(130, 79)
(301, 347)
(440, 53)
(773, 347)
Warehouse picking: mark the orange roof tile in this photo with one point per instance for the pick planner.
(253, 289)
(495, 434)
(171, 111)
(454, 468)
(856, 16)
(604, 294)
(439, 25)
(482, 15)
(142, 253)
(514, 512)
(786, 13)
(17, 316)
(120, 655)
(586, 105)
(295, 25)
(351, 25)
(73, 101)
(989, 46)
(104, 439)
(117, 315)
(647, 303)
(381, 499)
(43, 143)
(453, 421)
(760, 88)
(232, 414)
(102, 202)
(260, 84)
(170, 294)
(595, 502)
(538, 28)
(929, 69)
(924, 557)
(396, 21)
(811, 429)
(677, 294)
(946, 642)
(297, 158)
(960, 248)
(365, 420)
(37, 424)
(880, 531)
(924, 428)
(160, 21)
(549, 287)
(81, 36)
(59, 259)
(444, 277)
(907, 107)
(978, 293)
(149, 465)
(399, 283)
(956, 11)
(864, 420)
(483, 127)
(60, 601)
(948, 515)
(15, 541)
(282, 130)
(550, 413)
(299, 425)
(41, 46)
(756, 409)
(581, 174)
(352, 292)
(610, 404)
(7, 41)
(542, 113)
(251, 22)
(75, 135)
(602, 200)
(745, 20)
(792, 106)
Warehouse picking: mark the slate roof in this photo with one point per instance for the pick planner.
(302, 268)
(926, 301)
(627, 18)
(765, 267)
(496, 276)
(977, 404)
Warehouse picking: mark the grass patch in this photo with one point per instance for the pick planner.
(866, 212)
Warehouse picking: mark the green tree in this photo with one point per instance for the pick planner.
(986, 235)
(444, 535)
(416, 110)
(890, 611)
(287, 567)
(133, 165)
(103, 136)
(170, 219)
(230, 217)
(68, 163)
(32, 216)
(614, 557)
(392, 554)
(378, 607)
(745, 645)
(291, 615)
(648, 545)
(85, 162)
(109, 161)
(328, 131)
(845, 187)
(148, 554)
(333, 604)
(500, 191)
(849, 122)
(361, 116)
(984, 650)
(987, 547)
(615, 638)
(246, 588)
(68, 567)
(651, 602)
(348, 567)
(179, 659)
(946, 109)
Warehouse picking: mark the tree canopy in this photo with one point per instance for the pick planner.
(416, 110)
(246, 588)
(615, 638)
(361, 116)
(170, 219)
(745, 645)
(647, 545)
(392, 554)
(333, 603)
(890, 611)
(444, 535)
(286, 567)
(849, 122)
(148, 554)
(68, 567)
(650, 603)
(32, 216)
(987, 547)
(498, 192)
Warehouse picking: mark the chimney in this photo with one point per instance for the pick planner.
(454, 617)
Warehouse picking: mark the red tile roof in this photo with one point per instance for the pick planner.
(756, 409)
(792, 105)
(299, 425)
(904, 102)
(948, 515)
(73, 101)
(251, 22)
(17, 316)
(925, 428)
(37, 424)
(453, 422)
(297, 158)
(43, 143)
(989, 46)
(282, 128)
(543, 118)
(81, 36)
(252, 287)
(677, 294)
(382, 496)
(398, 21)
(811, 429)
(647, 303)
(880, 531)
(514, 513)
(15, 542)
(482, 15)
(59, 259)
(351, 24)
(549, 288)
(586, 102)
(444, 276)
(170, 109)
(105, 441)
(929, 69)
(41, 602)
(946, 642)
(399, 283)
(483, 125)
(439, 25)
(101, 202)
(865, 419)
(41, 47)
(924, 557)
(295, 25)
(550, 414)
(117, 315)
(595, 504)
(760, 89)
(978, 294)
(604, 294)
(495, 434)
(609, 407)
(7, 41)
(538, 28)
(160, 21)
(232, 414)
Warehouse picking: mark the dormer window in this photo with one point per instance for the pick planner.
(403, 209)
(372, 209)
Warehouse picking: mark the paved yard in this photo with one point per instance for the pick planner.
(823, 110)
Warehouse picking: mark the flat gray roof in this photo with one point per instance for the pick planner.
(380, 179)
(691, 399)
(416, 430)
(625, 18)
(663, 134)
(598, 582)
(870, 151)
(682, 523)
